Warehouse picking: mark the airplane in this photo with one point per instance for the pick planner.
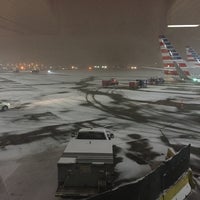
(181, 73)
(174, 66)
(192, 56)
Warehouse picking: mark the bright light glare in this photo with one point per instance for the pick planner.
(183, 26)
(133, 67)
(196, 80)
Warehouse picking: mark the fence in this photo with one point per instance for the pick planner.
(152, 185)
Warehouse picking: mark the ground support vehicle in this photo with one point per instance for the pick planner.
(156, 81)
(112, 81)
(138, 84)
(133, 85)
(35, 71)
(86, 166)
(142, 83)
(4, 106)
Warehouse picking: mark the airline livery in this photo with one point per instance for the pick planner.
(192, 56)
(174, 66)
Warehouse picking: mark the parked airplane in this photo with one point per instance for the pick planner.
(171, 70)
(181, 73)
(192, 56)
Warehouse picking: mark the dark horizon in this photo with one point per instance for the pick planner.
(65, 32)
(101, 32)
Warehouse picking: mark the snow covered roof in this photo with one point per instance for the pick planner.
(66, 160)
(89, 146)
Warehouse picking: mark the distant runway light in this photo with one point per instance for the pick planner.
(133, 67)
(183, 26)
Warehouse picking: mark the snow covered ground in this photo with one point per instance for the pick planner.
(48, 108)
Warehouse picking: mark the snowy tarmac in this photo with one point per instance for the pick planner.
(48, 108)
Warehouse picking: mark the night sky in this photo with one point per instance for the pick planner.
(82, 32)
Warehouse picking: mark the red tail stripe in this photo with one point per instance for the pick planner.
(172, 65)
(167, 72)
(164, 51)
(166, 58)
(182, 65)
(161, 44)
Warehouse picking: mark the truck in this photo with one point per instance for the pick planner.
(133, 85)
(4, 106)
(86, 166)
(110, 82)
(139, 83)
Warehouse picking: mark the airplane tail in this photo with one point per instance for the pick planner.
(180, 72)
(193, 57)
(170, 56)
